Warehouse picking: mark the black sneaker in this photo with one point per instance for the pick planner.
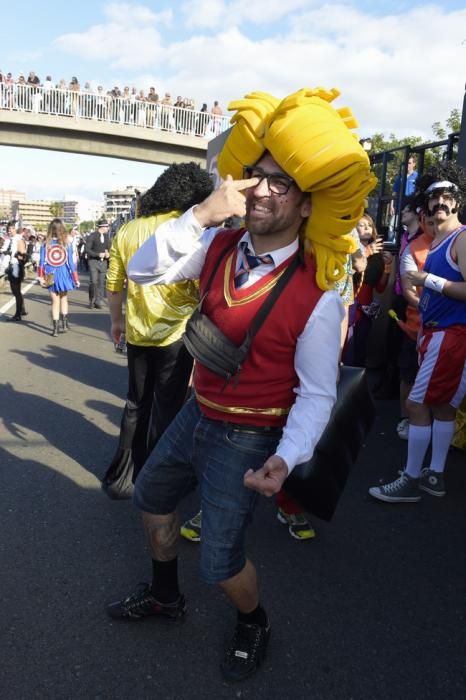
(142, 603)
(245, 652)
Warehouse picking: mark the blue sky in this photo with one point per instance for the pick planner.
(384, 57)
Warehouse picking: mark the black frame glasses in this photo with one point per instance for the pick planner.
(278, 183)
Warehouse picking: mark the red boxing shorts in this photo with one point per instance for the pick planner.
(442, 370)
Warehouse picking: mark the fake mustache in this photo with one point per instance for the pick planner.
(440, 207)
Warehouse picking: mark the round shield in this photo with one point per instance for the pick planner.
(55, 255)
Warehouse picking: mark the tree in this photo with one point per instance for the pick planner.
(86, 226)
(452, 125)
(57, 209)
(431, 156)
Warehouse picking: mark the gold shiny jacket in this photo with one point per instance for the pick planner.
(155, 314)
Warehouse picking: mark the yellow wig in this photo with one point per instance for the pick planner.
(312, 142)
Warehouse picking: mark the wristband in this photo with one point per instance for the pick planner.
(435, 283)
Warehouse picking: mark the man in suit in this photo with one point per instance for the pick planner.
(97, 249)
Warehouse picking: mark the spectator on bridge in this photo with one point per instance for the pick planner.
(189, 117)
(21, 101)
(49, 96)
(115, 104)
(16, 269)
(34, 96)
(125, 105)
(75, 88)
(88, 101)
(159, 365)
(202, 121)
(152, 108)
(133, 108)
(101, 104)
(177, 107)
(63, 101)
(440, 384)
(166, 113)
(97, 250)
(141, 108)
(216, 113)
(57, 271)
(8, 91)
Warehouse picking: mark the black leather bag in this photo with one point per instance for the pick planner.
(208, 345)
(317, 484)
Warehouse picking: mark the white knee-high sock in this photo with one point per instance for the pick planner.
(418, 442)
(442, 433)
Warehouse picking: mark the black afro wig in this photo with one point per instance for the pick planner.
(178, 188)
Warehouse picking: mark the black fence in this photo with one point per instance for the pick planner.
(383, 206)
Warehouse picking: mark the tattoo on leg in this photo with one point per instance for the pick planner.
(162, 533)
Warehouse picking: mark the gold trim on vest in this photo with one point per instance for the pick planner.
(243, 410)
(251, 297)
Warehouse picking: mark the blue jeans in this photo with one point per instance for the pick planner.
(197, 450)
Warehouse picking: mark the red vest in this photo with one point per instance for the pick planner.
(264, 394)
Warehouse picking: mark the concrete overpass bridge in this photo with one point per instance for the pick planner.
(60, 120)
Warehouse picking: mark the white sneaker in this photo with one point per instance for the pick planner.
(403, 429)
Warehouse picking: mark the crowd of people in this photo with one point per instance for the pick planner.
(56, 258)
(131, 106)
(269, 310)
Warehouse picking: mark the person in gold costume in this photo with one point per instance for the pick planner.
(159, 365)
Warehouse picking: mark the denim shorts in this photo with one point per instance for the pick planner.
(197, 450)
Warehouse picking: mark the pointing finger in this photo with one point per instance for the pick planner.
(244, 184)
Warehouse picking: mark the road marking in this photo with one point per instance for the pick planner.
(12, 301)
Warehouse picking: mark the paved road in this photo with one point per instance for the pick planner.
(373, 609)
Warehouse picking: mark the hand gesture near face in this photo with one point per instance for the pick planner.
(227, 201)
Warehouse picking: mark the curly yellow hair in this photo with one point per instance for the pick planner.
(312, 142)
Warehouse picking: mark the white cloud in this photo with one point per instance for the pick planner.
(131, 37)
(218, 13)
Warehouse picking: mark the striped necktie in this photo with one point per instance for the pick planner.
(248, 263)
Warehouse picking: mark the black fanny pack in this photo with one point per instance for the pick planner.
(209, 346)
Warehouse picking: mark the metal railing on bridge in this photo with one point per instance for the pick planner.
(102, 107)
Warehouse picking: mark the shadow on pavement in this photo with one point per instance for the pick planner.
(67, 430)
(87, 369)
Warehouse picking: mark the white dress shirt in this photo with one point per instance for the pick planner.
(177, 252)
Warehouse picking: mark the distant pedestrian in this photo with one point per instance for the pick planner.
(97, 250)
(57, 272)
(16, 269)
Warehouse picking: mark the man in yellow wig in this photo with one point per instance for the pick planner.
(263, 396)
